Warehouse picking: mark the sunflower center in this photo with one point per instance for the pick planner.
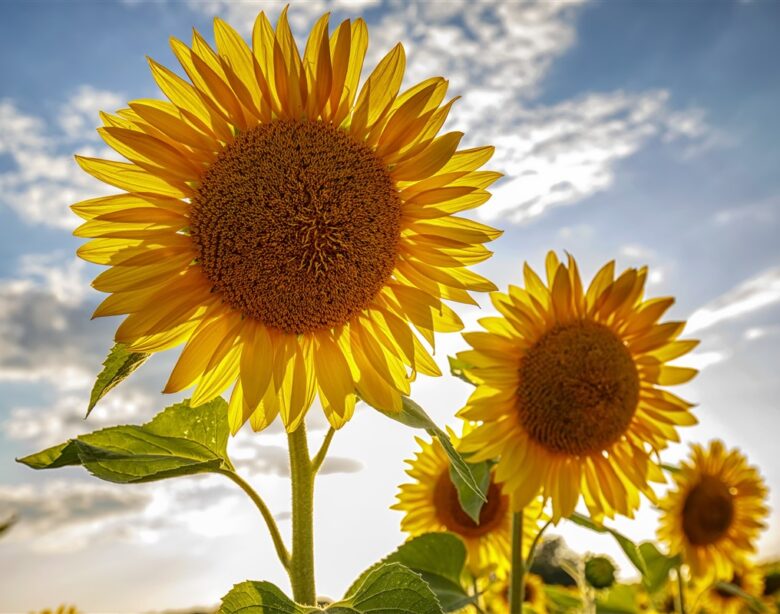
(708, 511)
(452, 516)
(579, 389)
(297, 225)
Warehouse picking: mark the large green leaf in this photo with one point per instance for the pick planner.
(629, 547)
(561, 600)
(439, 558)
(119, 364)
(413, 415)
(391, 588)
(259, 598)
(181, 440)
(658, 566)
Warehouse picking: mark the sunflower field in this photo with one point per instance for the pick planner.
(296, 226)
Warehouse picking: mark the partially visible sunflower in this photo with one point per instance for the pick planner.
(288, 225)
(63, 609)
(716, 600)
(716, 511)
(430, 504)
(568, 389)
(496, 596)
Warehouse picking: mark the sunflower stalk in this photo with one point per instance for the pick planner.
(680, 590)
(319, 458)
(517, 582)
(302, 472)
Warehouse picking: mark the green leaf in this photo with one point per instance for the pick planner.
(181, 440)
(620, 599)
(562, 600)
(119, 364)
(391, 588)
(457, 368)
(259, 598)
(630, 548)
(733, 589)
(413, 415)
(670, 468)
(469, 500)
(658, 566)
(439, 558)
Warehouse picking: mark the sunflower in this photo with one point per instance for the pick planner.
(715, 512)
(496, 597)
(716, 600)
(431, 504)
(567, 389)
(290, 227)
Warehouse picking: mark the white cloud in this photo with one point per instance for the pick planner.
(42, 182)
(562, 154)
(78, 116)
(751, 295)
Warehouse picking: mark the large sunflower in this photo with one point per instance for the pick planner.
(286, 224)
(716, 511)
(567, 389)
(430, 503)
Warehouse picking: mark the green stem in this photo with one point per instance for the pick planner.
(680, 590)
(517, 580)
(302, 561)
(532, 550)
(281, 549)
(316, 462)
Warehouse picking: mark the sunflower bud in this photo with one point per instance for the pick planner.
(600, 572)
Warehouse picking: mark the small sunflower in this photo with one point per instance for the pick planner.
(431, 504)
(496, 596)
(715, 512)
(286, 224)
(568, 389)
(716, 600)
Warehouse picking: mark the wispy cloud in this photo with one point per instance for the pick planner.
(753, 294)
(561, 154)
(43, 179)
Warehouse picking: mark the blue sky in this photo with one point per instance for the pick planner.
(641, 131)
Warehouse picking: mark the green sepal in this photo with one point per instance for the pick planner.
(181, 440)
(118, 365)
(458, 369)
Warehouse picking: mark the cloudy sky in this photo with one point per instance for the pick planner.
(641, 131)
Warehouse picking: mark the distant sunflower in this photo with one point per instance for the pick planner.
(716, 511)
(286, 224)
(430, 504)
(567, 389)
(716, 600)
(496, 597)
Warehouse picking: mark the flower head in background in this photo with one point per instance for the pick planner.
(289, 226)
(496, 596)
(430, 503)
(717, 598)
(568, 392)
(715, 512)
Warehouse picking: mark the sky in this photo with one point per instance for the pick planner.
(644, 132)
